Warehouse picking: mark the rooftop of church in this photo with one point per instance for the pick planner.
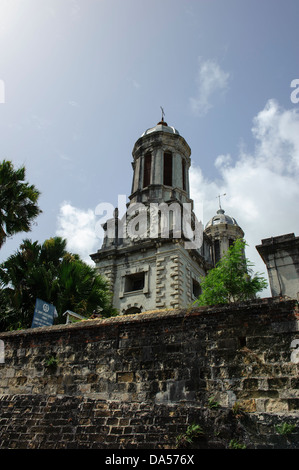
(162, 126)
(221, 218)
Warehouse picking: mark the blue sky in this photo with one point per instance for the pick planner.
(84, 78)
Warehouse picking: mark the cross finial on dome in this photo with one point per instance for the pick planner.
(220, 211)
(162, 120)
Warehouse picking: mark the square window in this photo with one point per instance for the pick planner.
(134, 282)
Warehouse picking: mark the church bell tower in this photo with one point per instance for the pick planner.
(223, 231)
(161, 166)
(149, 257)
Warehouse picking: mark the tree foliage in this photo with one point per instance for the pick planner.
(54, 275)
(232, 280)
(18, 201)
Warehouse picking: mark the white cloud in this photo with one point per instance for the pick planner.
(78, 228)
(211, 81)
(223, 161)
(276, 131)
(262, 188)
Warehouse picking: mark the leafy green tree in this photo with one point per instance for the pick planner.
(54, 275)
(18, 201)
(232, 279)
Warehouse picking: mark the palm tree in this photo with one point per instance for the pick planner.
(54, 275)
(81, 289)
(23, 278)
(18, 201)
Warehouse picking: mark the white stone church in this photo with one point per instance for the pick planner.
(155, 255)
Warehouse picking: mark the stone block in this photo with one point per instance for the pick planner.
(125, 377)
(276, 406)
(278, 383)
(293, 404)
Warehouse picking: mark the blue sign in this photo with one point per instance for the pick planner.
(44, 314)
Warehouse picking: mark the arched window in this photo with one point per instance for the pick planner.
(230, 242)
(147, 169)
(167, 175)
(196, 289)
(184, 174)
(132, 311)
(217, 250)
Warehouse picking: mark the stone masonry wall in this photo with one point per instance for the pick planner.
(140, 380)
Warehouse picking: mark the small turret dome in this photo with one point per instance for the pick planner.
(221, 218)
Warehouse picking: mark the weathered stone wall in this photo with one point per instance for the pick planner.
(141, 380)
(71, 422)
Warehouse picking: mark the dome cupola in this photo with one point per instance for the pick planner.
(223, 230)
(221, 218)
(162, 126)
